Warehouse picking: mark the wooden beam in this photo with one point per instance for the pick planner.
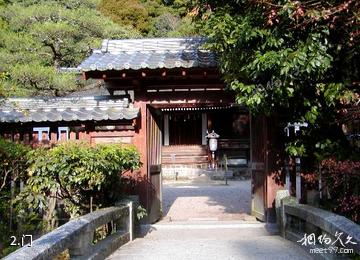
(166, 82)
(154, 73)
(197, 105)
(136, 83)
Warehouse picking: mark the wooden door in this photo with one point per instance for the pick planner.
(154, 138)
(258, 157)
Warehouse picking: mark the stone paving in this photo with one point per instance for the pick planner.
(201, 199)
(182, 242)
(207, 220)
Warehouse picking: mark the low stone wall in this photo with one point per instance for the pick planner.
(321, 232)
(77, 236)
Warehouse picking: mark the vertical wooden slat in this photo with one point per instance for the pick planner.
(154, 138)
(258, 136)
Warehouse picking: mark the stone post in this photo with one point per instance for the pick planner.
(280, 194)
(82, 244)
(284, 220)
(127, 222)
(130, 220)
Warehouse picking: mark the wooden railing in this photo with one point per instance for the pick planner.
(77, 236)
(315, 228)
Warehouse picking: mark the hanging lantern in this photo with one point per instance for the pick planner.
(213, 141)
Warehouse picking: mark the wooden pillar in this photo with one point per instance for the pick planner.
(72, 136)
(16, 136)
(166, 129)
(204, 125)
(26, 138)
(298, 178)
(274, 151)
(266, 174)
(258, 137)
(53, 135)
(140, 142)
(287, 175)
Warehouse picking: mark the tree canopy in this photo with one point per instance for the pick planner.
(154, 18)
(300, 59)
(39, 37)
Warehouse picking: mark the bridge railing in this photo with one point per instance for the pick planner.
(77, 236)
(304, 224)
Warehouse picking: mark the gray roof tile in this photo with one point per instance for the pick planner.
(66, 109)
(149, 53)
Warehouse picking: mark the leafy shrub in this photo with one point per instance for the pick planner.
(13, 165)
(343, 184)
(78, 174)
(10, 152)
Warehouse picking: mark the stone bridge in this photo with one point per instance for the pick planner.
(210, 240)
(198, 240)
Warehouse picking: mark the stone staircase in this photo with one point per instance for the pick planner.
(184, 161)
(184, 154)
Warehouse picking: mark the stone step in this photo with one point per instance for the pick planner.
(184, 153)
(185, 160)
(177, 148)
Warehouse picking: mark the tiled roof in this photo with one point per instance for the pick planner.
(66, 109)
(149, 53)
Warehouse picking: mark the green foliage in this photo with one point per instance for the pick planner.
(325, 149)
(289, 58)
(165, 23)
(128, 12)
(140, 212)
(10, 152)
(37, 78)
(296, 149)
(299, 61)
(76, 172)
(13, 160)
(13, 164)
(70, 172)
(39, 37)
(153, 18)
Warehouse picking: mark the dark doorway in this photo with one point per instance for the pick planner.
(185, 128)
